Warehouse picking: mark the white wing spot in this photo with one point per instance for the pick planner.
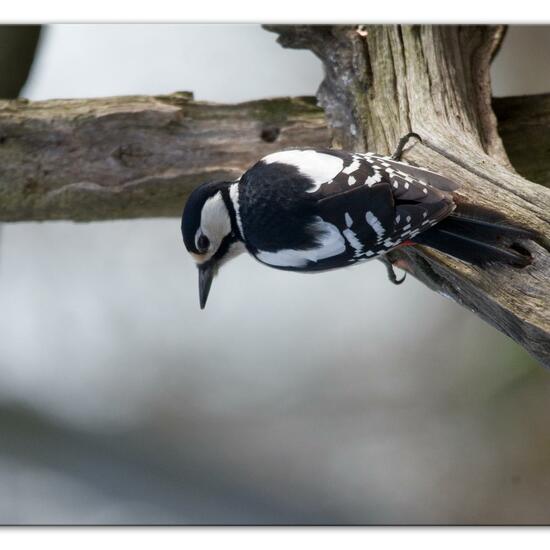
(351, 180)
(353, 241)
(375, 178)
(374, 222)
(352, 167)
(408, 218)
(349, 220)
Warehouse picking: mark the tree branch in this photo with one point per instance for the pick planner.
(129, 157)
(384, 81)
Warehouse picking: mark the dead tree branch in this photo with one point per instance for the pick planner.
(129, 157)
(384, 81)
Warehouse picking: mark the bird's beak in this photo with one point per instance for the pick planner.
(207, 271)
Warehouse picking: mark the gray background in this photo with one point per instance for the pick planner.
(329, 398)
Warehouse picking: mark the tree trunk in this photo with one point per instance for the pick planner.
(384, 81)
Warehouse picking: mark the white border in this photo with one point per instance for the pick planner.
(276, 538)
(281, 11)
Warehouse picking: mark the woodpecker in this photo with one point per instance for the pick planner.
(312, 210)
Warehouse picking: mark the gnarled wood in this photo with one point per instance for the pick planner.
(384, 81)
(128, 157)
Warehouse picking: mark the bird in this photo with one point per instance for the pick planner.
(311, 210)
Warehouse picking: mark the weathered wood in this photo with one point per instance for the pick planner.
(128, 157)
(384, 81)
(524, 126)
(140, 156)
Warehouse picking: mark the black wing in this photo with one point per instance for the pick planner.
(312, 210)
(378, 203)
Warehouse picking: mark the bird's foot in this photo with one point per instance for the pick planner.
(391, 272)
(401, 145)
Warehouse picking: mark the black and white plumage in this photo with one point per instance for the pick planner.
(311, 210)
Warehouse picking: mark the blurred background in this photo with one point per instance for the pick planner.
(335, 398)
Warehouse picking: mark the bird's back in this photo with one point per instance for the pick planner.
(320, 209)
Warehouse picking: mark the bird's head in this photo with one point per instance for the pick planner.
(208, 229)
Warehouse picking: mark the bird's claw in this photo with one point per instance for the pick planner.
(391, 273)
(401, 145)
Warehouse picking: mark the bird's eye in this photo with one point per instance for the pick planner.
(203, 242)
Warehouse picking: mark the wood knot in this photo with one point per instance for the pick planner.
(129, 153)
(270, 134)
(30, 188)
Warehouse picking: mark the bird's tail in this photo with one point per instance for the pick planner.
(479, 236)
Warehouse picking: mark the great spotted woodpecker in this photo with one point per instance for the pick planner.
(311, 210)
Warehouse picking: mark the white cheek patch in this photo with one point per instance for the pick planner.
(215, 223)
(320, 168)
(332, 243)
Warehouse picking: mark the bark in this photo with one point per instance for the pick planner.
(384, 81)
(129, 157)
(136, 156)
